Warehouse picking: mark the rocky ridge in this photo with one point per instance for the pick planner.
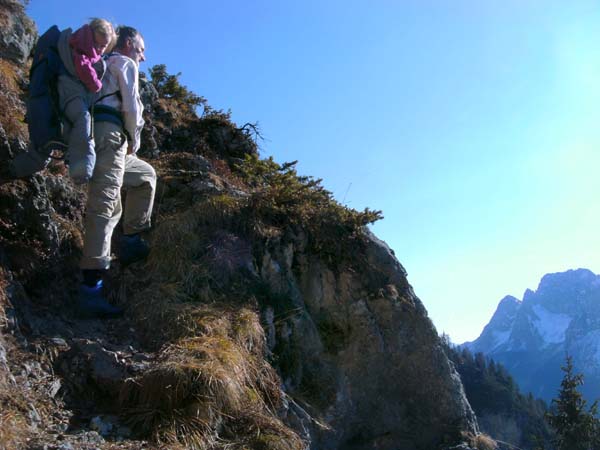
(532, 337)
(278, 332)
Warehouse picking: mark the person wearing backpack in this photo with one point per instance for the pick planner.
(118, 124)
(81, 53)
(65, 74)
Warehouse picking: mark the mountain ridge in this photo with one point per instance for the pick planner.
(562, 316)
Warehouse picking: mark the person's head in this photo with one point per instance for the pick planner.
(130, 43)
(104, 35)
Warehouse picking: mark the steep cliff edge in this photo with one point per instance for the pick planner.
(266, 316)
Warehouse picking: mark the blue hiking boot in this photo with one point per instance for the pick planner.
(132, 249)
(93, 305)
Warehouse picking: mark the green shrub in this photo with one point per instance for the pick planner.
(169, 87)
(280, 197)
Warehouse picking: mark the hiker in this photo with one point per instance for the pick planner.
(118, 124)
(65, 74)
(81, 53)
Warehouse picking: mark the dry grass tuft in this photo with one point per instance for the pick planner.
(267, 433)
(481, 441)
(194, 370)
(13, 430)
(180, 239)
(9, 76)
(248, 332)
(14, 426)
(69, 231)
(12, 109)
(200, 383)
(167, 313)
(162, 311)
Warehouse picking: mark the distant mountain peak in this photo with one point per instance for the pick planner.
(509, 300)
(527, 295)
(497, 332)
(532, 336)
(569, 277)
(506, 311)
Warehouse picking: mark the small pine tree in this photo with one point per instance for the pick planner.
(168, 86)
(576, 427)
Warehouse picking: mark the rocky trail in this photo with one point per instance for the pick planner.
(78, 366)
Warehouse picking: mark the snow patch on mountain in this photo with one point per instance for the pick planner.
(550, 326)
(499, 338)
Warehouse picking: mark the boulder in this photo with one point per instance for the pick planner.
(17, 32)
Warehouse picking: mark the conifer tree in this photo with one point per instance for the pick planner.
(576, 427)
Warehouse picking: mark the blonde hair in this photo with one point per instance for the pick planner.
(104, 28)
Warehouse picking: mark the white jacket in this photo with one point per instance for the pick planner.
(122, 75)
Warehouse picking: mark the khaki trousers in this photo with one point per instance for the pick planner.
(115, 169)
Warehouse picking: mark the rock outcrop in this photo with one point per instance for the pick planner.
(262, 319)
(360, 338)
(18, 32)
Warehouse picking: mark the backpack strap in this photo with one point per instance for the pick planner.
(104, 113)
(117, 93)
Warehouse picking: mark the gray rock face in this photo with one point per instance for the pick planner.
(96, 365)
(5, 150)
(362, 355)
(17, 32)
(532, 337)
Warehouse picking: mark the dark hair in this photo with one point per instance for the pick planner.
(124, 33)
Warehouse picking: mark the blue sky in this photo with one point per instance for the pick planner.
(473, 125)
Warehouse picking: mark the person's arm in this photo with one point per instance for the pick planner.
(86, 72)
(131, 106)
(84, 55)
